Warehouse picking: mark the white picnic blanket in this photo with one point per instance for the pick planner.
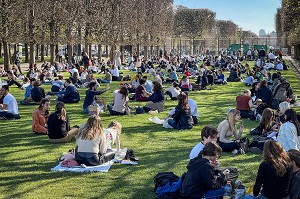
(101, 168)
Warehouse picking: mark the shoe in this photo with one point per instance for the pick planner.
(234, 152)
(255, 150)
(153, 112)
(245, 145)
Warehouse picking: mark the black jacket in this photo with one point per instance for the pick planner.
(57, 128)
(200, 178)
(265, 94)
(37, 94)
(183, 118)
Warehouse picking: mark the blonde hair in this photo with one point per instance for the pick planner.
(230, 118)
(283, 106)
(91, 128)
(115, 125)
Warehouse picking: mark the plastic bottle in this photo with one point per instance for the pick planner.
(228, 190)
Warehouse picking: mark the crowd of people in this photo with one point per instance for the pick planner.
(277, 136)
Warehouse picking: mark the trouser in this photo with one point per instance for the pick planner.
(170, 94)
(11, 82)
(112, 112)
(228, 147)
(172, 123)
(214, 194)
(67, 138)
(93, 159)
(19, 67)
(9, 115)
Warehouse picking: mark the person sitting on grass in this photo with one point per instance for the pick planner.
(274, 173)
(141, 95)
(173, 91)
(182, 118)
(70, 94)
(91, 143)
(294, 190)
(227, 129)
(58, 124)
(156, 99)
(37, 92)
(9, 105)
(202, 180)
(27, 95)
(120, 102)
(108, 77)
(208, 134)
(185, 83)
(40, 118)
(172, 77)
(289, 132)
(90, 95)
(244, 104)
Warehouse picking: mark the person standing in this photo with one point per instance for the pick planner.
(9, 107)
(17, 61)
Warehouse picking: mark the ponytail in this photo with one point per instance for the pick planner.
(63, 114)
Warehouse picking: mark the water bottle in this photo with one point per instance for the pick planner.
(228, 190)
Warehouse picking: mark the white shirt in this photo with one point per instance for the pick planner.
(114, 72)
(11, 103)
(174, 91)
(271, 56)
(287, 136)
(193, 106)
(73, 70)
(196, 150)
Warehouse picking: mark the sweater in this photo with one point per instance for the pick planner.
(199, 179)
(39, 120)
(57, 128)
(287, 136)
(183, 118)
(157, 97)
(96, 145)
(274, 186)
(90, 97)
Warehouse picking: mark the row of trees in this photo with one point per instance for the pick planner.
(102, 22)
(288, 24)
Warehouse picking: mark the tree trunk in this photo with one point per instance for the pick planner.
(42, 52)
(106, 51)
(52, 56)
(47, 50)
(70, 51)
(37, 52)
(56, 49)
(145, 52)
(157, 51)
(122, 54)
(151, 50)
(15, 48)
(111, 53)
(6, 55)
(138, 51)
(9, 54)
(32, 57)
(130, 50)
(1, 50)
(26, 53)
(99, 52)
(90, 51)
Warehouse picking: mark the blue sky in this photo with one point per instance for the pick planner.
(249, 14)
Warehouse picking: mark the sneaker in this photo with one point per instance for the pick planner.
(153, 112)
(255, 150)
(234, 152)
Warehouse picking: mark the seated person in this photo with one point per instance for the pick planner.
(172, 76)
(194, 110)
(120, 102)
(220, 78)
(75, 80)
(58, 124)
(12, 79)
(40, 118)
(141, 95)
(58, 84)
(182, 118)
(274, 173)
(135, 83)
(249, 79)
(27, 95)
(201, 180)
(37, 92)
(227, 129)
(114, 71)
(244, 105)
(185, 83)
(91, 143)
(156, 100)
(233, 76)
(108, 77)
(9, 105)
(173, 91)
(148, 84)
(264, 93)
(208, 134)
(113, 133)
(294, 190)
(70, 94)
(91, 93)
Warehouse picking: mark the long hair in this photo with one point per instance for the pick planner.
(43, 102)
(60, 106)
(183, 101)
(91, 128)
(124, 91)
(291, 116)
(267, 118)
(115, 125)
(274, 154)
(231, 119)
(157, 86)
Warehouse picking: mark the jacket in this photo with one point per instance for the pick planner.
(265, 94)
(39, 120)
(200, 178)
(183, 118)
(57, 128)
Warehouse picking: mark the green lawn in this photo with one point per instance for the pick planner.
(26, 159)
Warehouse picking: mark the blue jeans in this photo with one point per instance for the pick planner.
(214, 194)
(9, 115)
(105, 81)
(252, 197)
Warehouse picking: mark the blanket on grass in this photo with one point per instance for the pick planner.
(100, 168)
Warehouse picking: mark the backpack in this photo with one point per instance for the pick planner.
(280, 92)
(167, 185)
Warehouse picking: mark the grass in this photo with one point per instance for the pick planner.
(26, 159)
